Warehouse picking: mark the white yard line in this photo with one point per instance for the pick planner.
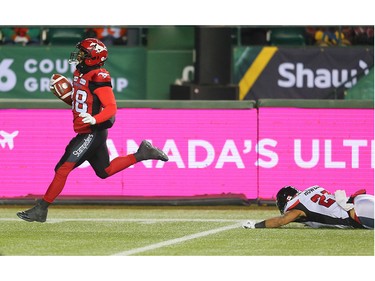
(237, 224)
(176, 241)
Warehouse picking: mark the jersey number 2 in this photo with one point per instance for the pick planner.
(322, 200)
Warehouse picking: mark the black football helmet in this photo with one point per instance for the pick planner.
(284, 195)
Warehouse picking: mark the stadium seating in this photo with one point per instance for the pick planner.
(291, 36)
(7, 33)
(170, 37)
(64, 36)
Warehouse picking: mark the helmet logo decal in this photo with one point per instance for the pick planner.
(98, 49)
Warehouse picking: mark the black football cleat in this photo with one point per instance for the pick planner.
(37, 213)
(146, 152)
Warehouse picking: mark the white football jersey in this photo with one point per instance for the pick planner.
(320, 208)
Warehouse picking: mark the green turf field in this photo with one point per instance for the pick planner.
(170, 231)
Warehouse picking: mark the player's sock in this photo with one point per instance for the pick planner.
(58, 182)
(358, 192)
(120, 163)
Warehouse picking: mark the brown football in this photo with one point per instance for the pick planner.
(61, 87)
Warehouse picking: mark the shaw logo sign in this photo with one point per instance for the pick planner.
(299, 76)
(305, 73)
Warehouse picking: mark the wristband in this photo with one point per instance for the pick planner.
(261, 224)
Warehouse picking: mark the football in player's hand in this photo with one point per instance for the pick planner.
(61, 87)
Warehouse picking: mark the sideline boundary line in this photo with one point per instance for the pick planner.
(176, 241)
(127, 220)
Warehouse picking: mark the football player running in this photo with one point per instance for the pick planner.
(94, 109)
(317, 208)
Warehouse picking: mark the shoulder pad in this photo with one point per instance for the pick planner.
(101, 75)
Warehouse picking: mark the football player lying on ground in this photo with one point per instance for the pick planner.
(94, 107)
(317, 208)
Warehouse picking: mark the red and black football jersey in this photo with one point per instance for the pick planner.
(89, 96)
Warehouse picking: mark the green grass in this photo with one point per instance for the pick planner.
(110, 230)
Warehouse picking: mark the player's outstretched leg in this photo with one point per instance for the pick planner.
(37, 213)
(146, 151)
